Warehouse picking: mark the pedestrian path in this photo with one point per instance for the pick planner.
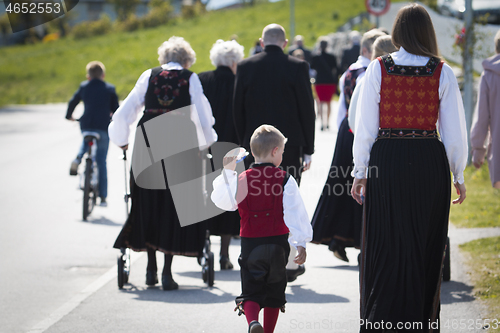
(324, 299)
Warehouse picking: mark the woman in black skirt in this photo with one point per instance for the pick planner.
(337, 219)
(402, 171)
(218, 86)
(153, 224)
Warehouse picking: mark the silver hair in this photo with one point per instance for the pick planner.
(226, 53)
(176, 49)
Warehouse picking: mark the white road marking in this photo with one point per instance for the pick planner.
(73, 303)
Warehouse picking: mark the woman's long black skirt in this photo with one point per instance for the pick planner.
(227, 223)
(404, 234)
(153, 222)
(337, 214)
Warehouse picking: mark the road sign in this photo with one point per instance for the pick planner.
(377, 7)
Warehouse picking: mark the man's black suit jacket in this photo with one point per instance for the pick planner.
(274, 88)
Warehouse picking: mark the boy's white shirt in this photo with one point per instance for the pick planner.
(294, 210)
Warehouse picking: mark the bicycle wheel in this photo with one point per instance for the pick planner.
(89, 198)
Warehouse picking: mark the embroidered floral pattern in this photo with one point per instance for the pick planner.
(405, 133)
(169, 88)
(409, 95)
(427, 70)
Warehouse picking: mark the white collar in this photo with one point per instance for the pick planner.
(361, 62)
(405, 58)
(172, 66)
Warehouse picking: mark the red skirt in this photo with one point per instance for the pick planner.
(325, 91)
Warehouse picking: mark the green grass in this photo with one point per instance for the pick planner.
(51, 72)
(484, 260)
(481, 207)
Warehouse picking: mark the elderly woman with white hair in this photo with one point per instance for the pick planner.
(218, 86)
(153, 224)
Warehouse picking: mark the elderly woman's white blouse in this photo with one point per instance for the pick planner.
(451, 118)
(126, 115)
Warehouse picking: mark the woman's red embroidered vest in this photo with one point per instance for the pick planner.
(261, 210)
(409, 95)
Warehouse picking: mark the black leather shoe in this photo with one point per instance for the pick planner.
(340, 253)
(333, 245)
(151, 278)
(168, 283)
(225, 263)
(255, 327)
(292, 274)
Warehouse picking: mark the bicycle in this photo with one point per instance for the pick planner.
(89, 180)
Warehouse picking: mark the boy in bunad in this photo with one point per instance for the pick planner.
(272, 213)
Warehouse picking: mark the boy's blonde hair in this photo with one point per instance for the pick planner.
(264, 139)
(95, 69)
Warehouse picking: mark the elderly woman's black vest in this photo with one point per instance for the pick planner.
(168, 90)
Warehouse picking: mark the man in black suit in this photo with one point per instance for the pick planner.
(274, 88)
(350, 55)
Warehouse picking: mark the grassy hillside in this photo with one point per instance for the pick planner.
(481, 208)
(51, 72)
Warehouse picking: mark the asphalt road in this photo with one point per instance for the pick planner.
(57, 272)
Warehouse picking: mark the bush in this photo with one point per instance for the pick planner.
(92, 28)
(132, 23)
(160, 12)
(189, 12)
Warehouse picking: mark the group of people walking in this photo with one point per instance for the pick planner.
(389, 152)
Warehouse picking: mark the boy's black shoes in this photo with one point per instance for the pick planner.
(255, 327)
(292, 274)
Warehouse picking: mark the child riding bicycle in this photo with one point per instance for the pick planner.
(100, 102)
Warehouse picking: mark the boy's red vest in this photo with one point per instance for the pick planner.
(409, 95)
(261, 210)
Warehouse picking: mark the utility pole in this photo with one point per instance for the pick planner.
(467, 67)
(292, 20)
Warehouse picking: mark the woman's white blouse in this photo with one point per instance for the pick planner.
(126, 115)
(351, 115)
(361, 62)
(294, 210)
(451, 118)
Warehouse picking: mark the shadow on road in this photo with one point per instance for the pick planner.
(301, 295)
(186, 294)
(343, 267)
(456, 292)
(227, 275)
(102, 221)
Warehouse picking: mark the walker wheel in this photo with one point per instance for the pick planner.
(204, 271)
(121, 271)
(211, 273)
